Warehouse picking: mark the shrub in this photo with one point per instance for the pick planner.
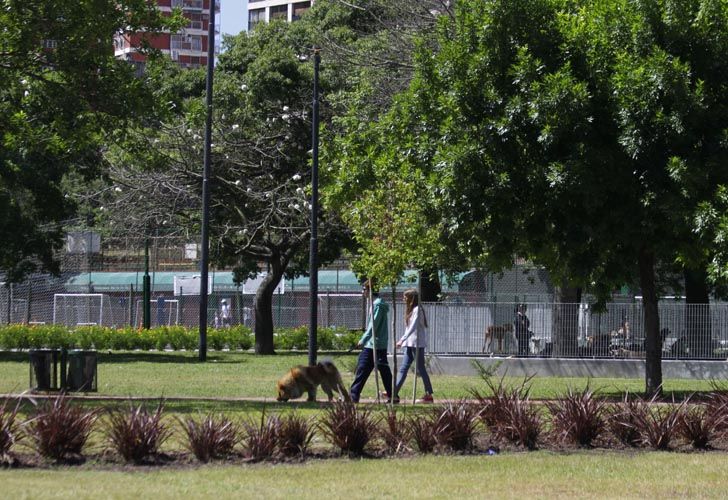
(646, 423)
(261, 440)
(210, 437)
(135, 434)
(395, 432)
(292, 338)
(624, 420)
(699, 426)
(345, 339)
(455, 425)
(348, 428)
(508, 414)
(717, 408)
(422, 428)
(659, 425)
(578, 418)
(294, 435)
(59, 429)
(522, 424)
(9, 430)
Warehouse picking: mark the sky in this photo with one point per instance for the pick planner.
(232, 16)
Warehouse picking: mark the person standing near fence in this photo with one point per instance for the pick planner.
(521, 326)
(414, 341)
(378, 326)
(225, 313)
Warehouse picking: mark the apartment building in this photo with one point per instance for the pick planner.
(267, 10)
(188, 47)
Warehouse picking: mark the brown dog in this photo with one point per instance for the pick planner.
(496, 332)
(302, 379)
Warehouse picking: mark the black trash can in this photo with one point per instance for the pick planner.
(44, 369)
(82, 373)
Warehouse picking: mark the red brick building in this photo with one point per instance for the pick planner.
(188, 47)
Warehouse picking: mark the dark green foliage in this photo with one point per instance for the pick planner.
(59, 429)
(210, 437)
(348, 427)
(294, 435)
(19, 336)
(578, 418)
(63, 88)
(135, 434)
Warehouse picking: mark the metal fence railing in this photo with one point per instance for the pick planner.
(455, 328)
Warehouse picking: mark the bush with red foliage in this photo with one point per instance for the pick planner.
(59, 429)
(136, 434)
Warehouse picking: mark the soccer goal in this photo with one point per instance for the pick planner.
(82, 309)
(164, 312)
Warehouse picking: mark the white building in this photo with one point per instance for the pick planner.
(267, 10)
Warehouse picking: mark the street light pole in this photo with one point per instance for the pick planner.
(205, 236)
(313, 255)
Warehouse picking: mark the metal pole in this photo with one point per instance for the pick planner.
(313, 256)
(205, 236)
(146, 290)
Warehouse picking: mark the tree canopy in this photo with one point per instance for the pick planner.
(62, 87)
(588, 137)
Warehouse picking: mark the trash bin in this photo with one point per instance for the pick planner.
(81, 375)
(44, 369)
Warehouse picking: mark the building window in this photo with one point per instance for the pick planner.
(187, 4)
(279, 12)
(186, 42)
(49, 44)
(254, 17)
(299, 8)
(194, 21)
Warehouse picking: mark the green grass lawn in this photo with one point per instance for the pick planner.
(529, 475)
(244, 375)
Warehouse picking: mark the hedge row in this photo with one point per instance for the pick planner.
(19, 336)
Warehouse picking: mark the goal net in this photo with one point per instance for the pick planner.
(164, 312)
(79, 309)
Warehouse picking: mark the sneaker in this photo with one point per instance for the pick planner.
(386, 398)
(427, 398)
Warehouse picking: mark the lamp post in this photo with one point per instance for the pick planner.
(205, 236)
(313, 255)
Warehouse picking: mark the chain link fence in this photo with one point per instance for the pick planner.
(100, 284)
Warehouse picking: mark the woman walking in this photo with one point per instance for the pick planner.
(414, 341)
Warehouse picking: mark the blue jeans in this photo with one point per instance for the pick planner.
(409, 356)
(364, 367)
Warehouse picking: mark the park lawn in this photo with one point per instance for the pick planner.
(600, 474)
(245, 375)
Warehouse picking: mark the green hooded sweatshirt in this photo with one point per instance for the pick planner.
(381, 328)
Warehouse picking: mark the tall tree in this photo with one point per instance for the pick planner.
(260, 212)
(61, 88)
(583, 135)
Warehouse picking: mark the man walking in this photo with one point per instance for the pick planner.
(374, 342)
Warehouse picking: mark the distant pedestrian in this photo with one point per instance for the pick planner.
(414, 341)
(377, 327)
(225, 313)
(521, 325)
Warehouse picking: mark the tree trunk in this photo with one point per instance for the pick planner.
(430, 288)
(697, 314)
(566, 320)
(264, 306)
(653, 343)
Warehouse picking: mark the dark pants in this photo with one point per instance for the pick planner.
(523, 342)
(364, 368)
